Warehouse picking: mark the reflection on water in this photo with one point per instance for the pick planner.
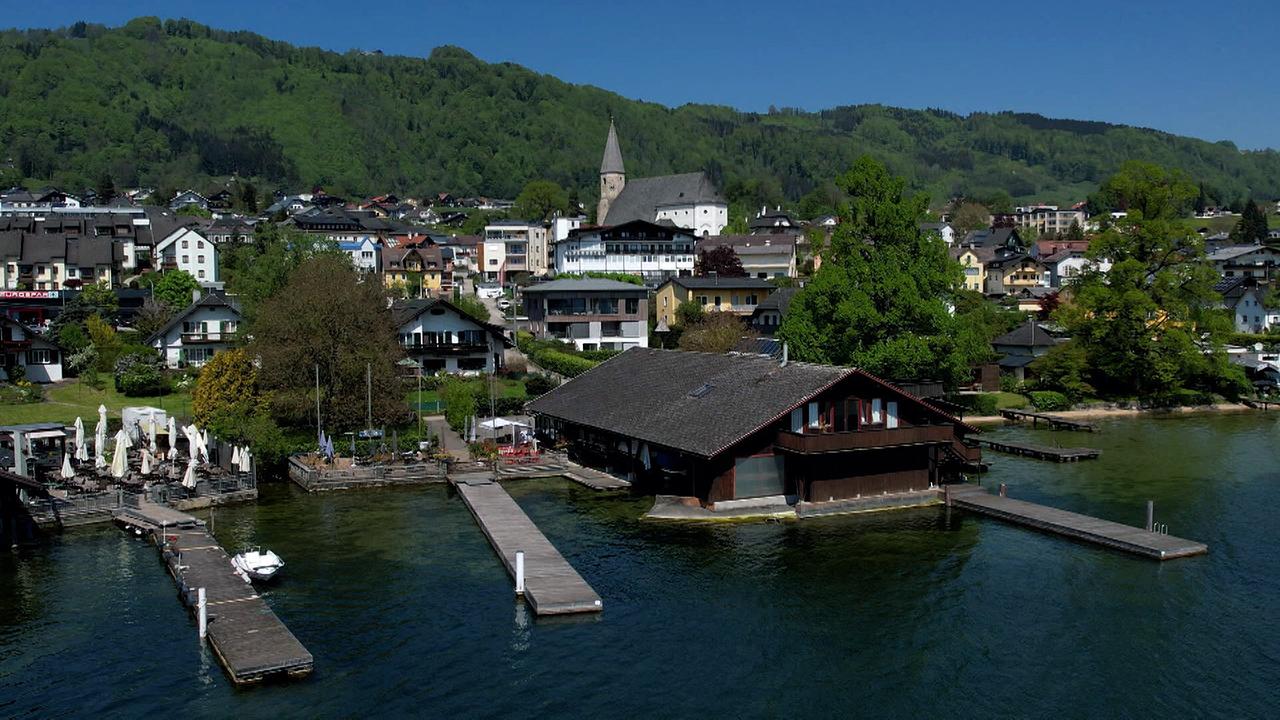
(912, 613)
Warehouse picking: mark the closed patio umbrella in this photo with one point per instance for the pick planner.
(67, 472)
(120, 457)
(235, 456)
(146, 462)
(100, 438)
(246, 461)
(173, 439)
(151, 433)
(82, 448)
(189, 479)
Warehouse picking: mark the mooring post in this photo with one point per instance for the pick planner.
(519, 572)
(1004, 490)
(946, 495)
(1151, 515)
(202, 612)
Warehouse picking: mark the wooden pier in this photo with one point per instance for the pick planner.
(1042, 452)
(1050, 421)
(551, 585)
(1073, 525)
(1262, 404)
(244, 633)
(588, 477)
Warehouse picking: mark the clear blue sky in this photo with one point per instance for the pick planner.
(1203, 69)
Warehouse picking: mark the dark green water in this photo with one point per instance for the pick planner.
(901, 614)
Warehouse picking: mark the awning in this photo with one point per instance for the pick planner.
(46, 434)
(500, 423)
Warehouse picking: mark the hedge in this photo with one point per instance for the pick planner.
(1047, 400)
(980, 404)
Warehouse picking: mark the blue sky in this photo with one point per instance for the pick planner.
(1192, 68)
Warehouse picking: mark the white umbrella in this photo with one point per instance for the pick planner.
(120, 458)
(189, 479)
(204, 443)
(151, 433)
(173, 439)
(146, 462)
(100, 438)
(67, 472)
(82, 449)
(235, 456)
(246, 461)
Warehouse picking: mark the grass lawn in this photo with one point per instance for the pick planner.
(1010, 401)
(502, 388)
(64, 402)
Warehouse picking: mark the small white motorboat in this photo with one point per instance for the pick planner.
(257, 564)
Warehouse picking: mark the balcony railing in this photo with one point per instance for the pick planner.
(820, 442)
(461, 347)
(204, 337)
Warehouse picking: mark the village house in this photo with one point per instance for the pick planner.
(1066, 265)
(944, 230)
(364, 253)
(24, 352)
(1007, 273)
(521, 245)
(734, 430)
(441, 338)
(689, 201)
(774, 222)
(1259, 262)
(736, 295)
(1021, 346)
(1046, 219)
(769, 313)
(230, 229)
(591, 313)
(189, 199)
(1255, 310)
(762, 256)
(193, 336)
(654, 252)
(187, 249)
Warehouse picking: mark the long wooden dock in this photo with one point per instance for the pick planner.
(244, 633)
(1053, 422)
(1042, 452)
(551, 585)
(1073, 525)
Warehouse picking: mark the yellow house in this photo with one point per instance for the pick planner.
(974, 265)
(737, 295)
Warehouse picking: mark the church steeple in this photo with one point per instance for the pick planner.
(612, 162)
(612, 175)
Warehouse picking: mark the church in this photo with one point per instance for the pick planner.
(688, 200)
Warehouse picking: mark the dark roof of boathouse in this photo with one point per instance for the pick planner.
(699, 403)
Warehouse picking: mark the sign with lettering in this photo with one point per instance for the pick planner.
(29, 295)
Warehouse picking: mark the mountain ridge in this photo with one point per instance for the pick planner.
(175, 103)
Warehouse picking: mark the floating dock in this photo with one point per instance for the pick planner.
(1050, 421)
(1073, 525)
(551, 585)
(1042, 452)
(244, 633)
(588, 477)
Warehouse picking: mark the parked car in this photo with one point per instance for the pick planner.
(503, 304)
(488, 290)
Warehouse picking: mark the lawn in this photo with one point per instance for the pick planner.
(1010, 401)
(63, 403)
(431, 398)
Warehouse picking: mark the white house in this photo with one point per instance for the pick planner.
(188, 198)
(654, 252)
(1065, 265)
(363, 253)
(524, 247)
(944, 230)
(762, 256)
(562, 226)
(1252, 314)
(20, 346)
(187, 249)
(207, 327)
(442, 338)
(1253, 261)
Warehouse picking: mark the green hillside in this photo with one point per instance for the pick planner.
(174, 104)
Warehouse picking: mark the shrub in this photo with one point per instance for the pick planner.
(83, 360)
(501, 406)
(459, 397)
(1009, 383)
(598, 355)
(1179, 398)
(140, 372)
(980, 404)
(1047, 400)
(20, 393)
(538, 384)
(562, 362)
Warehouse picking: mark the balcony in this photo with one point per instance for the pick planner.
(811, 443)
(207, 337)
(462, 348)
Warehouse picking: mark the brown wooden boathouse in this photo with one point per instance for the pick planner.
(736, 427)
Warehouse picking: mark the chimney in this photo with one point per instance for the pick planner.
(784, 354)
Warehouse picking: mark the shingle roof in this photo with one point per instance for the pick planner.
(585, 285)
(404, 311)
(779, 300)
(1232, 252)
(640, 198)
(1028, 334)
(719, 281)
(612, 160)
(645, 393)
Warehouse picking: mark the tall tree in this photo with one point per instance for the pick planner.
(106, 189)
(879, 300)
(1149, 325)
(717, 332)
(540, 199)
(970, 216)
(721, 260)
(327, 317)
(174, 289)
(1252, 226)
(255, 271)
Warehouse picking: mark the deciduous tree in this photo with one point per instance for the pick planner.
(174, 289)
(326, 316)
(721, 260)
(540, 199)
(717, 332)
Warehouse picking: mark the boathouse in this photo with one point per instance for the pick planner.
(727, 428)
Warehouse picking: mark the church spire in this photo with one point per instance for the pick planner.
(612, 162)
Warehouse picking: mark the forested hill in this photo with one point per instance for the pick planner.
(173, 104)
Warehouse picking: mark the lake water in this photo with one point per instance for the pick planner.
(895, 614)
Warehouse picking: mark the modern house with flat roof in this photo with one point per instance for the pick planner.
(737, 295)
(591, 313)
(734, 429)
